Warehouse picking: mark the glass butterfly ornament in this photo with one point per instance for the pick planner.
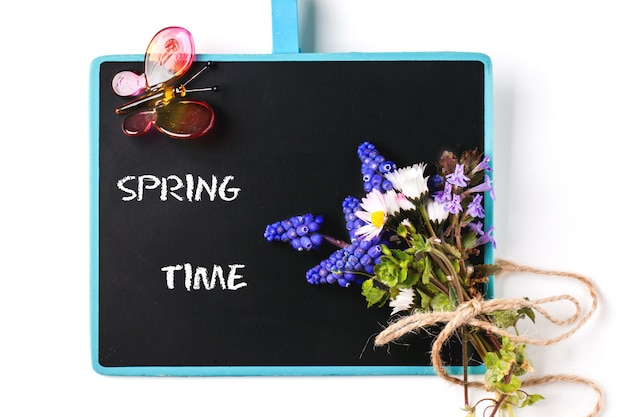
(159, 100)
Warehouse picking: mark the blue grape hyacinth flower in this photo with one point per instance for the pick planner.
(353, 261)
(374, 166)
(348, 265)
(300, 231)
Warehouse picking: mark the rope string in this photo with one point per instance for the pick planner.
(470, 313)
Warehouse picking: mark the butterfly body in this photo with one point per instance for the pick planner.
(158, 99)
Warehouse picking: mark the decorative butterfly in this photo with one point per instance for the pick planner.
(168, 57)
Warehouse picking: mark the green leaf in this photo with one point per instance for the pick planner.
(492, 377)
(440, 303)
(427, 272)
(441, 275)
(411, 279)
(527, 312)
(513, 399)
(419, 242)
(531, 399)
(393, 292)
(491, 359)
(456, 264)
(403, 273)
(450, 250)
(409, 226)
(401, 230)
(505, 318)
(401, 255)
(485, 270)
(373, 294)
(424, 300)
(509, 387)
(411, 251)
(454, 297)
(387, 272)
(468, 240)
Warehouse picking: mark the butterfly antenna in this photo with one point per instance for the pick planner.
(214, 88)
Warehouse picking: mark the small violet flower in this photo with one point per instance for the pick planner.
(477, 228)
(482, 166)
(485, 186)
(458, 177)
(444, 196)
(453, 206)
(475, 207)
(487, 237)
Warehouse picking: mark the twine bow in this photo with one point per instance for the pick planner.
(471, 314)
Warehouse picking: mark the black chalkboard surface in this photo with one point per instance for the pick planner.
(284, 143)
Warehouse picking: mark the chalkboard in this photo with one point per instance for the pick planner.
(286, 132)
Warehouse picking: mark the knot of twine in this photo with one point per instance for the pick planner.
(471, 312)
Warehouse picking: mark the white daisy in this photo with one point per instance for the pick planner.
(396, 202)
(436, 211)
(410, 181)
(374, 214)
(403, 301)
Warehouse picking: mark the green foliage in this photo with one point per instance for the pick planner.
(482, 270)
(402, 230)
(509, 318)
(431, 267)
(503, 371)
(422, 261)
(373, 294)
(505, 318)
(432, 255)
(440, 303)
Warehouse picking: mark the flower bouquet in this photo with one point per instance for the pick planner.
(417, 242)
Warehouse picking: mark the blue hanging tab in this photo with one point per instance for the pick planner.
(285, 26)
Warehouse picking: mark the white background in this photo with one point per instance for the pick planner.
(559, 88)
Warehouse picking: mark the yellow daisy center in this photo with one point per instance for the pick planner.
(378, 219)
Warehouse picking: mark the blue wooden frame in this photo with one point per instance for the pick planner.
(285, 31)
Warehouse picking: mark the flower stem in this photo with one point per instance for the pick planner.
(440, 286)
(459, 244)
(479, 345)
(498, 405)
(449, 270)
(502, 398)
(335, 242)
(429, 226)
(465, 360)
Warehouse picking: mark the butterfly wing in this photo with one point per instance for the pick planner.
(129, 83)
(185, 119)
(169, 55)
(138, 123)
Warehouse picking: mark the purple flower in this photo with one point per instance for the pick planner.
(487, 238)
(475, 208)
(453, 206)
(476, 228)
(483, 165)
(444, 196)
(485, 186)
(458, 176)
